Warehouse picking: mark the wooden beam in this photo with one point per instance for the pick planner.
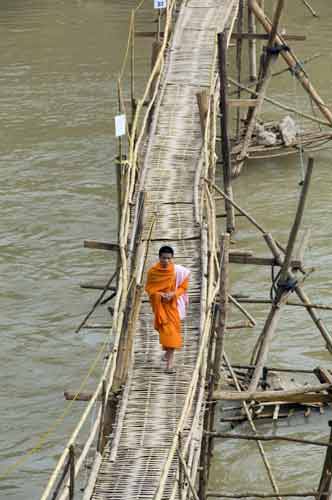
(242, 103)
(260, 261)
(263, 36)
(101, 245)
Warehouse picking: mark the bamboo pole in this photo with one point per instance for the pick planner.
(253, 428)
(252, 45)
(270, 395)
(186, 472)
(288, 303)
(242, 309)
(307, 4)
(239, 44)
(325, 480)
(212, 494)
(227, 167)
(297, 222)
(292, 62)
(223, 306)
(302, 296)
(98, 301)
(283, 293)
(267, 62)
(71, 472)
(132, 66)
(261, 437)
(280, 105)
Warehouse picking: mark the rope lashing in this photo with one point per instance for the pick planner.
(276, 49)
(287, 285)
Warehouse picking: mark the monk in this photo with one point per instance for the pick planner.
(167, 285)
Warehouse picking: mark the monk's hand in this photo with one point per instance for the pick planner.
(170, 295)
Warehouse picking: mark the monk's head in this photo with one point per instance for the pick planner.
(166, 255)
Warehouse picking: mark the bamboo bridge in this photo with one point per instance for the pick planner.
(149, 436)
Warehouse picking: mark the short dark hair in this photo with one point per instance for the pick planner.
(166, 249)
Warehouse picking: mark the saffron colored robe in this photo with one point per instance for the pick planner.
(168, 315)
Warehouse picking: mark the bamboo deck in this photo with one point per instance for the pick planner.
(148, 417)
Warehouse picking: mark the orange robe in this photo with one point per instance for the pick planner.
(166, 315)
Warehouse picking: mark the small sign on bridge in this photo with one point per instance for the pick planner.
(160, 4)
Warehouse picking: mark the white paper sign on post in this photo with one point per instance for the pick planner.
(160, 4)
(120, 125)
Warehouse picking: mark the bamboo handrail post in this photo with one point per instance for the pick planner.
(227, 167)
(132, 66)
(61, 480)
(71, 472)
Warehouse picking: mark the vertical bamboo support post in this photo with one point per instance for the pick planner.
(227, 166)
(325, 480)
(156, 47)
(223, 306)
(71, 472)
(159, 25)
(132, 66)
(252, 45)
(209, 411)
(239, 44)
(119, 179)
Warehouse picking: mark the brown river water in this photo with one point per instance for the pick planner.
(59, 63)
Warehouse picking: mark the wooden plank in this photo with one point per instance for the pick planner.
(101, 245)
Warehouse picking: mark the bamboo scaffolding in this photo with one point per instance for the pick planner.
(283, 293)
(292, 62)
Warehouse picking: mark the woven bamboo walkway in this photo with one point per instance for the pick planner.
(147, 422)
